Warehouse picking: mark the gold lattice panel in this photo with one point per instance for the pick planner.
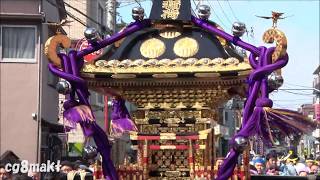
(170, 159)
(173, 98)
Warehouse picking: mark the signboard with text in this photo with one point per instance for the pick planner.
(83, 44)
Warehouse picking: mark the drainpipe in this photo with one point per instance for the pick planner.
(40, 58)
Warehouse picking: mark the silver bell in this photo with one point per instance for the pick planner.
(238, 29)
(138, 13)
(91, 34)
(204, 12)
(275, 81)
(89, 152)
(63, 87)
(241, 143)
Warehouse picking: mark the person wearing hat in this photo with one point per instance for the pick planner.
(288, 169)
(258, 163)
(309, 162)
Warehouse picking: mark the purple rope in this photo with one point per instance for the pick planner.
(253, 110)
(235, 40)
(129, 30)
(71, 72)
(254, 118)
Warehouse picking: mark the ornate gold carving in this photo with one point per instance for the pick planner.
(138, 62)
(172, 173)
(169, 34)
(172, 100)
(101, 63)
(186, 47)
(170, 9)
(125, 63)
(167, 66)
(51, 47)
(152, 48)
(272, 35)
(163, 62)
(112, 64)
(222, 40)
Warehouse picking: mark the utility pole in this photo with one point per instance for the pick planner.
(111, 14)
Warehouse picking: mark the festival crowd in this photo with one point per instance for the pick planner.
(273, 164)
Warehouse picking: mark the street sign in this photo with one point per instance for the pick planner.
(83, 44)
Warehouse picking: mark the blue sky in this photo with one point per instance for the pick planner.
(301, 29)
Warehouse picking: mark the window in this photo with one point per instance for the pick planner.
(96, 99)
(226, 117)
(18, 43)
(100, 99)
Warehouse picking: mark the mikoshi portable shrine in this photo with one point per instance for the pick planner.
(177, 68)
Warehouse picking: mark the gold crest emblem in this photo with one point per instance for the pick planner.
(186, 47)
(152, 48)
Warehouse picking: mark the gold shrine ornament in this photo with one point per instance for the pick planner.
(280, 38)
(186, 47)
(170, 9)
(222, 40)
(51, 45)
(170, 34)
(152, 48)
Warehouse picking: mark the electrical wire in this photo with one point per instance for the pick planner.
(140, 6)
(224, 13)
(211, 7)
(91, 19)
(68, 13)
(288, 100)
(302, 94)
(138, 2)
(234, 15)
(298, 89)
(129, 4)
(280, 106)
(196, 7)
(298, 85)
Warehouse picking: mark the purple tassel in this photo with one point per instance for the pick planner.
(78, 114)
(121, 120)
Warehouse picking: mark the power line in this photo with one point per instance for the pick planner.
(299, 89)
(288, 100)
(224, 12)
(68, 13)
(280, 106)
(302, 94)
(224, 26)
(196, 6)
(138, 2)
(91, 19)
(232, 11)
(129, 4)
(144, 13)
(298, 85)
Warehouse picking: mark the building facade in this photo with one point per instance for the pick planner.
(28, 104)
(84, 14)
